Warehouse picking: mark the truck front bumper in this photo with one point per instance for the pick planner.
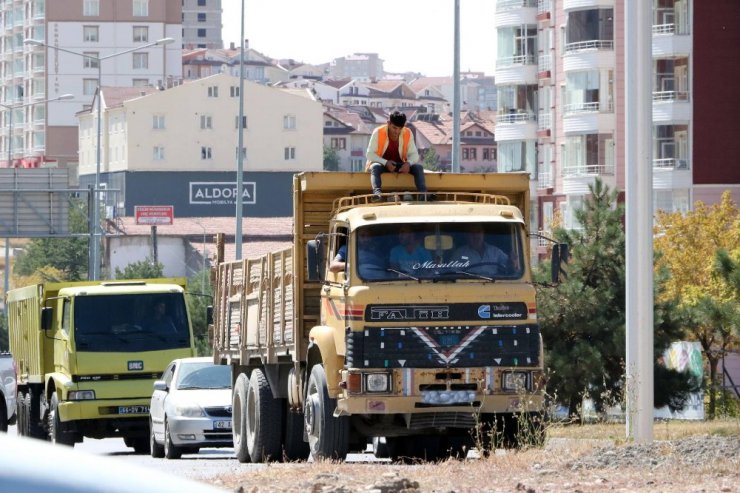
(108, 409)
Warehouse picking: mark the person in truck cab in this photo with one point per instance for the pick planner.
(392, 150)
(408, 256)
(371, 264)
(483, 258)
(159, 321)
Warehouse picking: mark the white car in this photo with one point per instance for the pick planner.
(7, 391)
(190, 408)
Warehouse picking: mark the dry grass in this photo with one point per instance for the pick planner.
(548, 469)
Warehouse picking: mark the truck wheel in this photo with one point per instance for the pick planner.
(328, 437)
(238, 418)
(263, 420)
(294, 447)
(139, 444)
(35, 427)
(155, 449)
(57, 434)
(20, 406)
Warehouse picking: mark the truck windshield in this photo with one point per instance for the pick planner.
(486, 251)
(130, 322)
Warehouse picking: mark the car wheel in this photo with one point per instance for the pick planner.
(57, 434)
(294, 446)
(155, 449)
(170, 450)
(238, 423)
(263, 420)
(328, 437)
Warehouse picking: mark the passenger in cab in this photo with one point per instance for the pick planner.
(483, 258)
(408, 255)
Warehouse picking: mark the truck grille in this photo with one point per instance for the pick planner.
(444, 346)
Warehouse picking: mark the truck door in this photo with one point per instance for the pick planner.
(333, 292)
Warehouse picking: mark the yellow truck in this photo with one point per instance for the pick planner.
(412, 320)
(87, 354)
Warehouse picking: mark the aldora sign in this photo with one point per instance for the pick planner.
(221, 193)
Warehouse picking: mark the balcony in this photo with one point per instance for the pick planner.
(544, 65)
(544, 124)
(592, 45)
(670, 163)
(544, 8)
(504, 5)
(588, 107)
(516, 116)
(587, 170)
(577, 178)
(544, 180)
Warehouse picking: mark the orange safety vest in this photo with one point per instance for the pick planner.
(383, 138)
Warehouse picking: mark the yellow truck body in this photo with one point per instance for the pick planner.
(85, 359)
(419, 357)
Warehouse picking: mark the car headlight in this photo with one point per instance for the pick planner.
(189, 411)
(81, 395)
(377, 382)
(515, 380)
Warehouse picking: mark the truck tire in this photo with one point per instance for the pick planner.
(328, 437)
(20, 406)
(263, 420)
(295, 448)
(155, 449)
(35, 427)
(57, 434)
(139, 444)
(171, 451)
(238, 422)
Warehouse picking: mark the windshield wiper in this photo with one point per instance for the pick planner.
(400, 273)
(472, 274)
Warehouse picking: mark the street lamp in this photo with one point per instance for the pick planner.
(11, 108)
(95, 250)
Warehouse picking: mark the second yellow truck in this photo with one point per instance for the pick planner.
(426, 333)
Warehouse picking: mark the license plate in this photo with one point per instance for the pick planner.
(133, 409)
(222, 425)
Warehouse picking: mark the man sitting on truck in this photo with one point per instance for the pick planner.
(392, 150)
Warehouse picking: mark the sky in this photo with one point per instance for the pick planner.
(409, 35)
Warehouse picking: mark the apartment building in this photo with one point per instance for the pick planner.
(84, 43)
(201, 24)
(179, 146)
(360, 66)
(561, 86)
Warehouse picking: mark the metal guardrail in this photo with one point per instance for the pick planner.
(671, 163)
(591, 107)
(589, 45)
(515, 61)
(670, 96)
(516, 117)
(345, 203)
(589, 169)
(503, 5)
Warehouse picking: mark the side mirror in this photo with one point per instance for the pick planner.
(160, 385)
(47, 316)
(209, 314)
(315, 259)
(560, 256)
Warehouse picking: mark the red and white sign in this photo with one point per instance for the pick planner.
(154, 215)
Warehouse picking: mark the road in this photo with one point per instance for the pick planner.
(209, 463)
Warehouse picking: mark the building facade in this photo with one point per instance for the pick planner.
(201, 24)
(95, 40)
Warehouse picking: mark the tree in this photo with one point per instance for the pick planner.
(583, 318)
(331, 159)
(701, 249)
(430, 159)
(200, 296)
(144, 269)
(67, 255)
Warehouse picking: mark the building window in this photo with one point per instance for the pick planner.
(141, 8)
(206, 153)
(234, 91)
(489, 153)
(141, 60)
(337, 143)
(158, 122)
(244, 153)
(289, 153)
(91, 59)
(289, 122)
(201, 33)
(206, 122)
(201, 3)
(89, 86)
(236, 122)
(91, 8)
(212, 91)
(140, 82)
(90, 34)
(141, 34)
(201, 17)
(158, 153)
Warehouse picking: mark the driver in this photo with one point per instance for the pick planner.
(483, 258)
(370, 264)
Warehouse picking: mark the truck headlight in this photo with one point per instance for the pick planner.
(189, 411)
(515, 380)
(81, 395)
(377, 382)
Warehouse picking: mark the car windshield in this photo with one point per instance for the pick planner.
(486, 251)
(126, 323)
(203, 375)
